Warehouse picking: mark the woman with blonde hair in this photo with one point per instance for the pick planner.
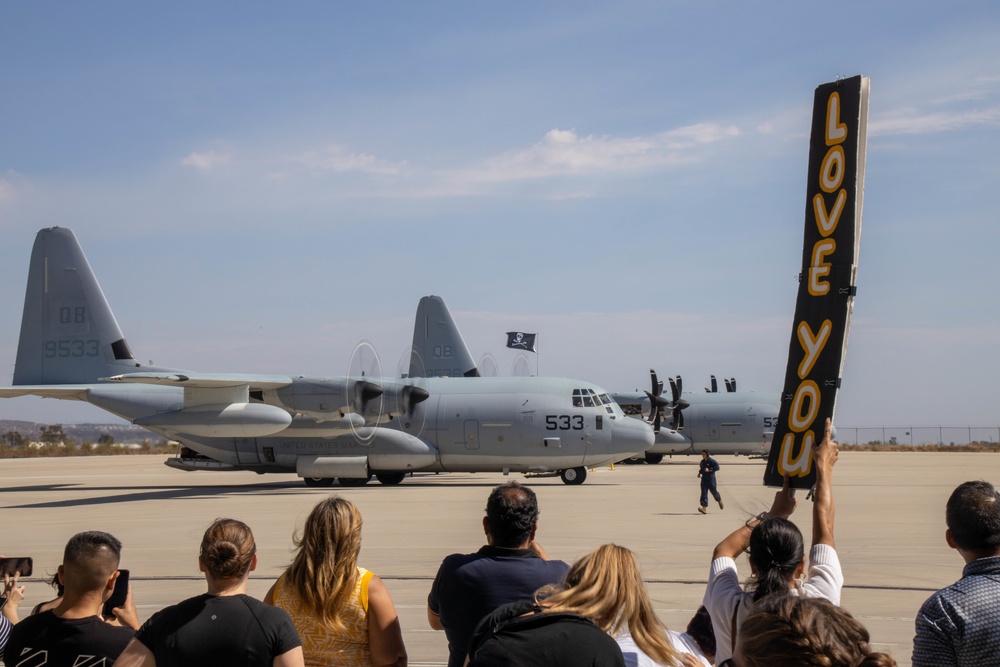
(599, 612)
(343, 612)
(224, 626)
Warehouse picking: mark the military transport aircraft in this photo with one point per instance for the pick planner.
(727, 422)
(321, 428)
(732, 422)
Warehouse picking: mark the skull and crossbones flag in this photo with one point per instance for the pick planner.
(518, 340)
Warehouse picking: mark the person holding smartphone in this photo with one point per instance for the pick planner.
(74, 631)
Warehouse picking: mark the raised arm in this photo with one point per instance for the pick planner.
(739, 540)
(824, 457)
(385, 638)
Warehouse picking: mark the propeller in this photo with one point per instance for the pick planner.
(715, 386)
(731, 385)
(678, 404)
(411, 370)
(364, 386)
(412, 395)
(488, 366)
(656, 401)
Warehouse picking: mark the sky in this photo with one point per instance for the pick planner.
(261, 187)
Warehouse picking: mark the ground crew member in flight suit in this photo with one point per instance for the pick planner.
(707, 470)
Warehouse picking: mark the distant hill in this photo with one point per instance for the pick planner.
(125, 434)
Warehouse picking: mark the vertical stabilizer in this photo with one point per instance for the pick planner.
(438, 348)
(68, 333)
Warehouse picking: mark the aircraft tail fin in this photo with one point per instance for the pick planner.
(438, 348)
(68, 333)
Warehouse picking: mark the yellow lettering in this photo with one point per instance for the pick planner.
(827, 221)
(801, 464)
(820, 269)
(831, 172)
(808, 391)
(836, 131)
(812, 345)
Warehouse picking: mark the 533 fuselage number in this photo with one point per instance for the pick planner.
(72, 348)
(564, 422)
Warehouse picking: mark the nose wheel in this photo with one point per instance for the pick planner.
(573, 476)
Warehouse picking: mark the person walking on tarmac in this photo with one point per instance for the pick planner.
(707, 470)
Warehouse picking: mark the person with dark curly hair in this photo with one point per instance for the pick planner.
(792, 631)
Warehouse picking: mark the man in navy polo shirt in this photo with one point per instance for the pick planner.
(511, 567)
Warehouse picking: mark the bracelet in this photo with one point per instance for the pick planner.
(760, 517)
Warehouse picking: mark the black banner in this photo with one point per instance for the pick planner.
(834, 197)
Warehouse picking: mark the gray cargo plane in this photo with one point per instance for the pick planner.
(322, 428)
(727, 422)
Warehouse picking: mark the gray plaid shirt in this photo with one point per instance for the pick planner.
(960, 625)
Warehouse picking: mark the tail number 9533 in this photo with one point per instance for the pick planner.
(564, 422)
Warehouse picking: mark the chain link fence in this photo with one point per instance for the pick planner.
(918, 435)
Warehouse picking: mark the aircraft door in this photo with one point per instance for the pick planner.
(246, 450)
(472, 434)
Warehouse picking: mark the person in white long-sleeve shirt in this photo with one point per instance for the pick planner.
(776, 556)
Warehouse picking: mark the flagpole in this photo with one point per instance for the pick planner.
(536, 355)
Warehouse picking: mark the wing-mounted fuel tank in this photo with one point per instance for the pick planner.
(374, 449)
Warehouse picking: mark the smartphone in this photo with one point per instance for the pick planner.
(117, 598)
(20, 566)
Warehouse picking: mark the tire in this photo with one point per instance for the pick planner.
(390, 478)
(318, 482)
(573, 476)
(653, 459)
(354, 481)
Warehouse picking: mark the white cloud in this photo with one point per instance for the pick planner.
(338, 159)
(911, 121)
(206, 160)
(563, 152)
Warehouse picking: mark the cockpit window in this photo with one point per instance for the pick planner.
(589, 398)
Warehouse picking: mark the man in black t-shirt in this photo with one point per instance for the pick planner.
(75, 632)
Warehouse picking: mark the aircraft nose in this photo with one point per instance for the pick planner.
(632, 436)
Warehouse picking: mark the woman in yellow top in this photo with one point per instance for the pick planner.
(343, 612)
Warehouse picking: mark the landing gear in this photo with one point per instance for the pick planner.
(318, 482)
(653, 459)
(573, 476)
(390, 478)
(354, 481)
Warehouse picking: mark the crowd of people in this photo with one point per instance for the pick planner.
(509, 604)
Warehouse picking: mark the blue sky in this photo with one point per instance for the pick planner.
(260, 187)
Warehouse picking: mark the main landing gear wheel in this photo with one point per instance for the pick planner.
(573, 476)
(318, 482)
(390, 478)
(354, 481)
(653, 459)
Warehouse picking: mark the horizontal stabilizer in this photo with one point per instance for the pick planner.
(63, 391)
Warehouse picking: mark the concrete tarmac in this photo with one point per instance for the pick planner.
(889, 527)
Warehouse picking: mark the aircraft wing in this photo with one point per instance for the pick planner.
(63, 391)
(205, 380)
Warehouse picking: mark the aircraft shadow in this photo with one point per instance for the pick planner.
(135, 493)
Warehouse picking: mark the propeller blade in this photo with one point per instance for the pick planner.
(715, 385)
